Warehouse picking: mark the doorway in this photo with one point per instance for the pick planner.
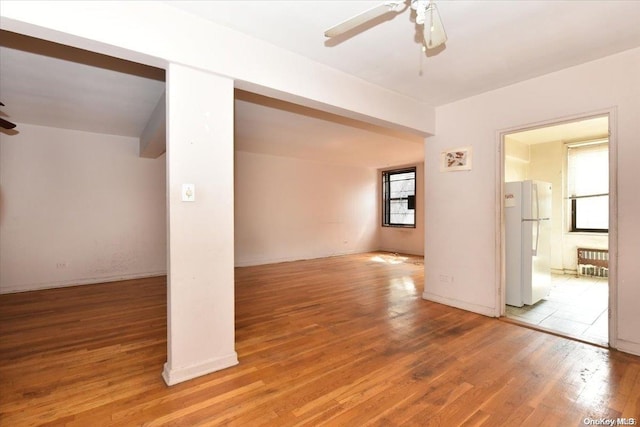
(560, 255)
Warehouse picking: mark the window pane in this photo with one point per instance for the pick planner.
(402, 185)
(399, 213)
(592, 213)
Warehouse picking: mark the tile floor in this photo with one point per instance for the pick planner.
(576, 307)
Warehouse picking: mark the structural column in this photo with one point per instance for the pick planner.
(200, 336)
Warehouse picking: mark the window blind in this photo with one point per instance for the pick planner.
(588, 169)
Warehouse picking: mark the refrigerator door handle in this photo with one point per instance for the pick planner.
(537, 200)
(534, 250)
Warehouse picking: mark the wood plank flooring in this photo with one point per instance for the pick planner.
(341, 341)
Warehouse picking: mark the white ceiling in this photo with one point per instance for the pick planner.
(58, 93)
(268, 126)
(491, 44)
(52, 85)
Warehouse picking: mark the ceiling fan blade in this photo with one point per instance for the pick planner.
(343, 27)
(5, 124)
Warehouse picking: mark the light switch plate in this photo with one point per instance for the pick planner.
(188, 192)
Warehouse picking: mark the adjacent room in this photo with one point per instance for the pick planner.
(308, 184)
(568, 244)
(83, 183)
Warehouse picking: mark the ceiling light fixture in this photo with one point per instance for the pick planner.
(428, 16)
(5, 124)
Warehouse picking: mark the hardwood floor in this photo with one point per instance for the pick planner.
(342, 341)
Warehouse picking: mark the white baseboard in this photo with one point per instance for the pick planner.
(178, 375)
(475, 308)
(401, 251)
(265, 261)
(628, 347)
(564, 271)
(12, 289)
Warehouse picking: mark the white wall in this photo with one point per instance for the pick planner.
(461, 208)
(516, 160)
(404, 240)
(77, 208)
(288, 209)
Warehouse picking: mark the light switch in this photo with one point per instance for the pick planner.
(188, 192)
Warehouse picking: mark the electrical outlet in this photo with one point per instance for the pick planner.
(61, 265)
(445, 279)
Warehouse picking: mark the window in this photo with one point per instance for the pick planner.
(588, 186)
(399, 198)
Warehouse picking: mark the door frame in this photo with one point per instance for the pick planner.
(611, 113)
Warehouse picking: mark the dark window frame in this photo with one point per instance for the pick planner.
(386, 201)
(574, 215)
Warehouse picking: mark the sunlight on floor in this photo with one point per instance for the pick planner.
(403, 283)
(389, 259)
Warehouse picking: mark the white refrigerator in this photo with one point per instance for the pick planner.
(528, 241)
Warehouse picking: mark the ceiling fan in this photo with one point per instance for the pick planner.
(5, 124)
(426, 15)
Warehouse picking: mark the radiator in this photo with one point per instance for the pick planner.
(593, 262)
